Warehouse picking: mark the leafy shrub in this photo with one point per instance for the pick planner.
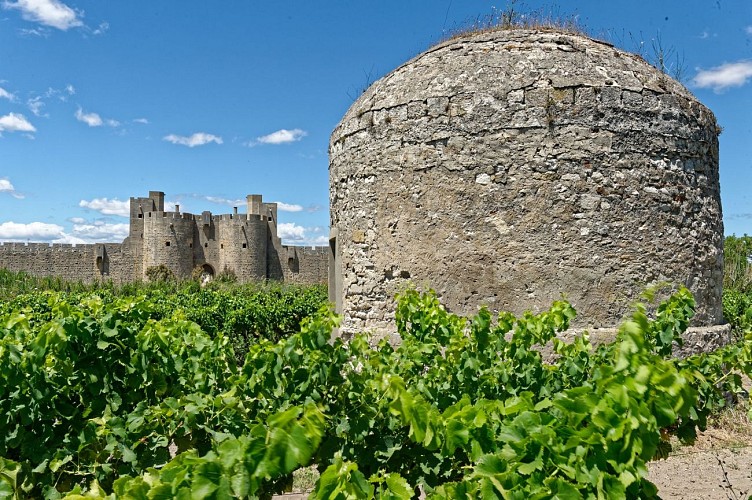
(737, 264)
(160, 273)
(464, 407)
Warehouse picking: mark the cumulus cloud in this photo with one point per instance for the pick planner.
(34, 231)
(106, 206)
(294, 234)
(7, 187)
(724, 76)
(287, 207)
(99, 231)
(14, 122)
(142, 121)
(82, 232)
(291, 231)
(51, 13)
(197, 139)
(282, 136)
(4, 94)
(91, 119)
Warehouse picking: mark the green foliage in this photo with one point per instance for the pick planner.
(243, 313)
(226, 276)
(160, 273)
(92, 395)
(737, 264)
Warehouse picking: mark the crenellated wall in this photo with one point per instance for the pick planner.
(245, 244)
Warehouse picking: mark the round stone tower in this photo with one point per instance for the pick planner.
(509, 168)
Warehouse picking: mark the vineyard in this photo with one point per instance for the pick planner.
(222, 392)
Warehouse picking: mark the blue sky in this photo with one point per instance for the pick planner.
(210, 101)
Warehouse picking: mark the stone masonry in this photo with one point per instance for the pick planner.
(507, 168)
(246, 244)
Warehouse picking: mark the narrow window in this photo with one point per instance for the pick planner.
(167, 243)
(244, 245)
(206, 245)
(140, 216)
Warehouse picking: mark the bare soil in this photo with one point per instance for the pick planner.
(717, 466)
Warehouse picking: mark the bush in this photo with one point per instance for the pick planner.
(160, 273)
(737, 263)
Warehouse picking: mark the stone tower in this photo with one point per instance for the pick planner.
(507, 168)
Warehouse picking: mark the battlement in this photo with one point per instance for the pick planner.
(244, 243)
(46, 247)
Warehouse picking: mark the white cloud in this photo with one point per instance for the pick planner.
(294, 234)
(7, 187)
(48, 12)
(287, 207)
(70, 89)
(36, 231)
(283, 136)
(101, 29)
(112, 123)
(35, 105)
(91, 119)
(99, 231)
(14, 122)
(724, 76)
(4, 94)
(142, 121)
(83, 232)
(197, 139)
(107, 207)
(224, 201)
(41, 32)
(291, 231)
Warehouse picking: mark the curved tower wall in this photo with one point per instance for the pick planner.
(243, 246)
(168, 240)
(508, 168)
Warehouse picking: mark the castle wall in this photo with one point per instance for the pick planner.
(306, 264)
(246, 244)
(168, 240)
(242, 246)
(71, 262)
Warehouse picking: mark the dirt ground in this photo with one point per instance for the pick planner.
(717, 466)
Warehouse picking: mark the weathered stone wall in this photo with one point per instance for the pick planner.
(168, 241)
(306, 264)
(509, 167)
(246, 244)
(73, 262)
(243, 247)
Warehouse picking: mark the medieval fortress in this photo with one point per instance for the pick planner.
(502, 168)
(245, 244)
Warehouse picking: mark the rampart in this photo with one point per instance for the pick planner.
(244, 244)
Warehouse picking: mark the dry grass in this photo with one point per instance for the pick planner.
(731, 428)
(516, 16)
